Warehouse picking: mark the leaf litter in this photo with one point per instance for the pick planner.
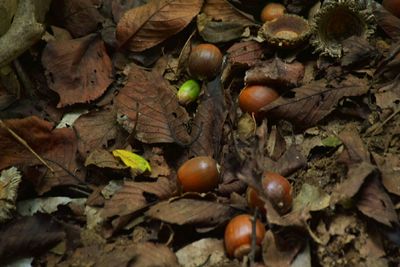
(334, 133)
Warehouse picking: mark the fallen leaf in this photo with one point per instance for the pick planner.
(356, 176)
(79, 70)
(137, 163)
(388, 22)
(9, 182)
(210, 118)
(277, 74)
(311, 197)
(151, 109)
(103, 159)
(389, 166)
(315, 100)
(355, 148)
(221, 21)
(357, 52)
(80, 17)
(131, 197)
(190, 211)
(47, 205)
(98, 129)
(56, 146)
(375, 203)
(28, 236)
(210, 250)
(148, 25)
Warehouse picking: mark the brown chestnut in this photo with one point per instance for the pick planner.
(272, 11)
(199, 174)
(278, 190)
(254, 200)
(205, 61)
(393, 6)
(238, 234)
(253, 97)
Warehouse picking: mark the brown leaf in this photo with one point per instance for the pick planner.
(97, 129)
(355, 147)
(389, 167)
(210, 118)
(357, 52)
(389, 67)
(79, 70)
(277, 74)
(375, 203)
(123, 254)
(388, 22)
(315, 100)
(103, 159)
(58, 147)
(190, 211)
(245, 53)
(221, 21)
(151, 109)
(355, 179)
(274, 255)
(388, 95)
(80, 17)
(148, 25)
(131, 198)
(28, 236)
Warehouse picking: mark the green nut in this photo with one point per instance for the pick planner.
(188, 92)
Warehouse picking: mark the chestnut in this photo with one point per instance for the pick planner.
(278, 190)
(199, 174)
(238, 234)
(205, 61)
(393, 6)
(254, 200)
(272, 11)
(253, 97)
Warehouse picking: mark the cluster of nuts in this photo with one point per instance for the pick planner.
(201, 174)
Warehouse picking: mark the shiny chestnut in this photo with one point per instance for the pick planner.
(393, 6)
(199, 174)
(278, 190)
(238, 234)
(205, 61)
(253, 97)
(272, 11)
(254, 201)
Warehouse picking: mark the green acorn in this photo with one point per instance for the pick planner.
(188, 92)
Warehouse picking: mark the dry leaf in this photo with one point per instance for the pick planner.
(79, 70)
(150, 109)
(28, 236)
(148, 25)
(9, 182)
(98, 129)
(315, 100)
(190, 211)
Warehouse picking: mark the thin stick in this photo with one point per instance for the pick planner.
(25, 144)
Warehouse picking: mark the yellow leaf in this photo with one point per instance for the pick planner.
(137, 163)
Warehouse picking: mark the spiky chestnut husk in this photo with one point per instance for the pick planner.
(286, 32)
(338, 20)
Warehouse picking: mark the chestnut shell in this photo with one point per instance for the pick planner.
(338, 20)
(286, 32)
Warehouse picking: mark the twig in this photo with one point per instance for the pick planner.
(25, 144)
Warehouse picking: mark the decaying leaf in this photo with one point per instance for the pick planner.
(311, 197)
(9, 182)
(315, 100)
(28, 236)
(48, 205)
(79, 70)
(190, 211)
(150, 110)
(57, 147)
(103, 159)
(355, 148)
(146, 26)
(375, 203)
(131, 197)
(97, 129)
(389, 166)
(221, 21)
(388, 22)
